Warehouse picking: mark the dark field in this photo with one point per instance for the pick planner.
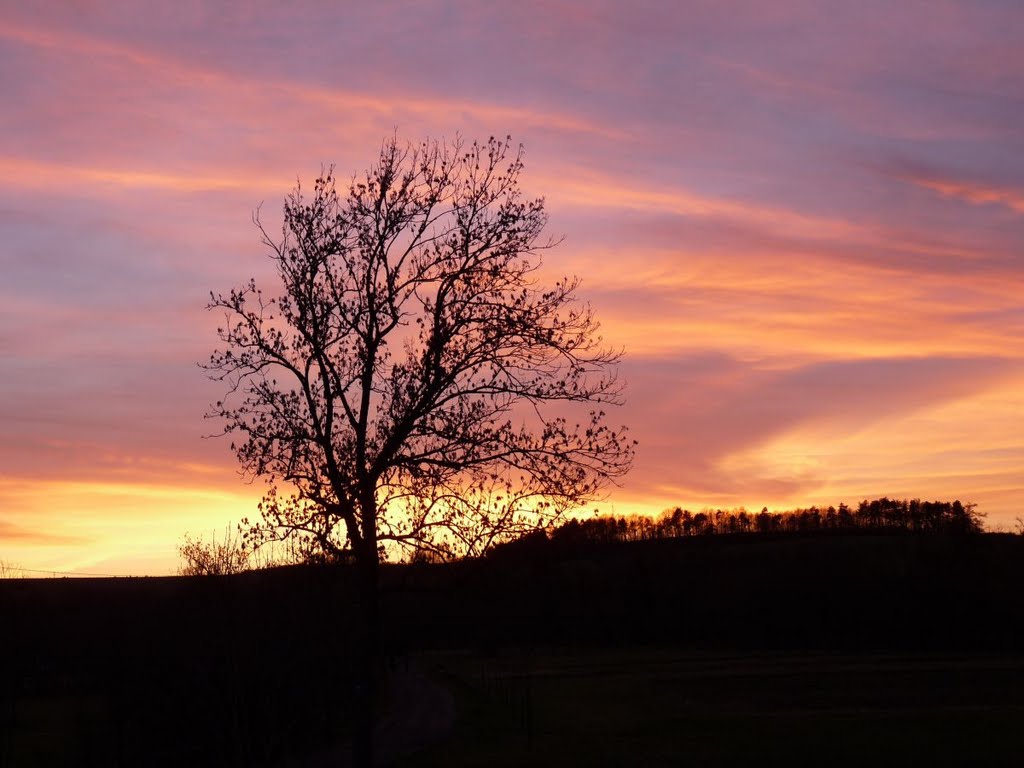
(666, 707)
(746, 650)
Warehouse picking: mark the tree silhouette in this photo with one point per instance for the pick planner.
(879, 516)
(415, 384)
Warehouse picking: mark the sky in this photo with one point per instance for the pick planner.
(802, 220)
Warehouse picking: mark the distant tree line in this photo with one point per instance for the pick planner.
(884, 514)
(229, 555)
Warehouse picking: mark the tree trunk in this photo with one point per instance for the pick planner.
(368, 655)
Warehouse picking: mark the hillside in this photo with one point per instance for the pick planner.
(244, 668)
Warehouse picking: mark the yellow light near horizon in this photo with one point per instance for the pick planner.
(112, 528)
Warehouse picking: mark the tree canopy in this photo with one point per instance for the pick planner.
(417, 381)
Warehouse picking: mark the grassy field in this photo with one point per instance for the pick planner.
(654, 707)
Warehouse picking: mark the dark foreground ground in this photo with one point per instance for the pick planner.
(740, 650)
(663, 707)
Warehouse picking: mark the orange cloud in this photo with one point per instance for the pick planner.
(762, 305)
(974, 193)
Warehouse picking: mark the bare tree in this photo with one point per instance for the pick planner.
(414, 384)
(216, 558)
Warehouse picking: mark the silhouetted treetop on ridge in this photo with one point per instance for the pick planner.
(888, 515)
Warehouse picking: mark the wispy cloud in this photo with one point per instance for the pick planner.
(14, 534)
(975, 193)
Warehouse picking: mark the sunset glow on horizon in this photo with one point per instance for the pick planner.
(803, 223)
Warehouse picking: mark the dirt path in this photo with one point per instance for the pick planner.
(419, 713)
